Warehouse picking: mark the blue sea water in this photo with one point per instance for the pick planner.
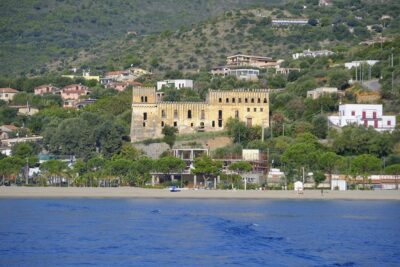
(137, 232)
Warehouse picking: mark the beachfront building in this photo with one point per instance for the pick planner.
(358, 63)
(150, 113)
(46, 89)
(318, 92)
(309, 53)
(7, 94)
(287, 22)
(177, 84)
(369, 115)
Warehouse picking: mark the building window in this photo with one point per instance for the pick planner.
(213, 123)
(237, 114)
(175, 114)
(175, 124)
(145, 116)
(353, 113)
(220, 114)
(255, 109)
(219, 123)
(189, 114)
(252, 100)
(240, 100)
(162, 124)
(389, 123)
(220, 100)
(163, 114)
(227, 100)
(265, 100)
(233, 100)
(145, 99)
(248, 109)
(261, 109)
(245, 100)
(144, 124)
(259, 100)
(191, 125)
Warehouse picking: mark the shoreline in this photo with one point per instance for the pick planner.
(144, 193)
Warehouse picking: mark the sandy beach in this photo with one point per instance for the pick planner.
(131, 192)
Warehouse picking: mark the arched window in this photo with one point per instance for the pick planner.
(252, 100)
(189, 114)
(265, 100)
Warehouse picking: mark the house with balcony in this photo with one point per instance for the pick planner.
(241, 60)
(46, 89)
(368, 115)
(71, 94)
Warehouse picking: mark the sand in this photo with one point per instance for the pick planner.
(131, 192)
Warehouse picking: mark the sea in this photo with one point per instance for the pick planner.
(187, 232)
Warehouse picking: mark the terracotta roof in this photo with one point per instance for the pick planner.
(10, 127)
(74, 85)
(117, 72)
(8, 90)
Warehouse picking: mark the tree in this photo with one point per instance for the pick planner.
(169, 133)
(206, 167)
(240, 167)
(54, 170)
(319, 177)
(394, 170)
(364, 165)
(328, 161)
(237, 130)
(320, 126)
(10, 167)
(338, 78)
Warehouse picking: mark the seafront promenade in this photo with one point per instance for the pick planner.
(132, 192)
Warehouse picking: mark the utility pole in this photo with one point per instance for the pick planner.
(303, 176)
(283, 129)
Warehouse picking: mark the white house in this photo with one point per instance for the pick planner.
(354, 64)
(363, 114)
(289, 22)
(309, 53)
(316, 93)
(177, 84)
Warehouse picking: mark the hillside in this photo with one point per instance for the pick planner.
(249, 31)
(35, 33)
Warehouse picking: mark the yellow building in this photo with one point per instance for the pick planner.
(150, 114)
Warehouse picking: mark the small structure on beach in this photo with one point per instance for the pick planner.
(298, 186)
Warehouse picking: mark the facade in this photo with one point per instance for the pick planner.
(85, 75)
(318, 92)
(6, 130)
(285, 71)
(309, 53)
(46, 89)
(241, 74)
(356, 64)
(72, 93)
(123, 75)
(121, 86)
(241, 60)
(150, 114)
(7, 94)
(368, 115)
(286, 22)
(177, 84)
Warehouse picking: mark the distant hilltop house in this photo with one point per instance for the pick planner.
(6, 130)
(241, 74)
(128, 75)
(26, 110)
(177, 84)
(358, 63)
(286, 22)
(71, 94)
(7, 94)
(241, 60)
(121, 86)
(318, 92)
(309, 53)
(46, 89)
(150, 113)
(286, 71)
(369, 115)
(325, 3)
(85, 75)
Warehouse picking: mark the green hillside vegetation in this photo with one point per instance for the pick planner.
(250, 31)
(34, 34)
